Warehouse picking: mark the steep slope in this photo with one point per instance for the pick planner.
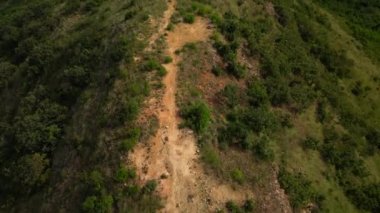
(189, 106)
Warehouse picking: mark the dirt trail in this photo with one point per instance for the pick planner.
(162, 24)
(170, 157)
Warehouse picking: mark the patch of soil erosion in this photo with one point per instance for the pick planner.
(171, 156)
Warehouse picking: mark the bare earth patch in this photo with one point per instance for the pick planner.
(171, 156)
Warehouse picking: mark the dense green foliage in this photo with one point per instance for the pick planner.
(59, 61)
(362, 18)
(197, 116)
(312, 54)
(299, 189)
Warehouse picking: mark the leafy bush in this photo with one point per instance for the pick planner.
(238, 176)
(96, 180)
(249, 206)
(102, 204)
(197, 116)
(230, 92)
(311, 143)
(125, 174)
(262, 148)
(150, 187)
(334, 61)
(189, 18)
(217, 70)
(242, 122)
(233, 207)
(298, 188)
(31, 171)
(236, 69)
(132, 190)
(366, 197)
(131, 140)
(344, 158)
(151, 65)
(167, 59)
(260, 120)
(162, 71)
(210, 156)
(257, 94)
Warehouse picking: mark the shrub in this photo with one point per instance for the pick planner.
(210, 156)
(132, 139)
(233, 207)
(168, 59)
(124, 174)
(257, 94)
(96, 180)
(77, 75)
(151, 65)
(31, 170)
(344, 158)
(236, 69)
(189, 18)
(132, 190)
(238, 176)
(150, 187)
(89, 204)
(260, 120)
(311, 143)
(366, 197)
(217, 70)
(278, 91)
(298, 188)
(162, 71)
(98, 205)
(230, 92)
(197, 116)
(190, 46)
(249, 206)
(262, 148)
(170, 27)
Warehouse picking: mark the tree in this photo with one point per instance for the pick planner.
(6, 71)
(31, 170)
(96, 180)
(38, 125)
(366, 197)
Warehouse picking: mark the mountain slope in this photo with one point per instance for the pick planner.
(189, 106)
